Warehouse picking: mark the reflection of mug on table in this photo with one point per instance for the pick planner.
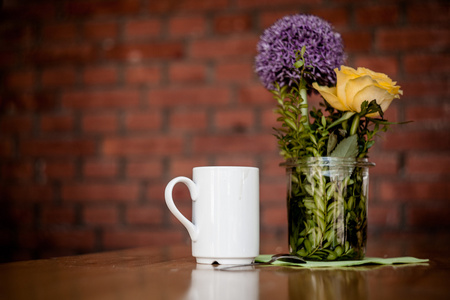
(225, 213)
(207, 283)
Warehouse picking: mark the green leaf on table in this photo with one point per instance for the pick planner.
(348, 147)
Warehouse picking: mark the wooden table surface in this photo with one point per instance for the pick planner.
(171, 273)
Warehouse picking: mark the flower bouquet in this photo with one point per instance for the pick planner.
(326, 149)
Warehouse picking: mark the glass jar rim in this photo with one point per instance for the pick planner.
(327, 161)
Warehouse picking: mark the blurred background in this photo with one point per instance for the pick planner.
(102, 102)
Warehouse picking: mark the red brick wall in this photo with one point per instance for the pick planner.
(103, 102)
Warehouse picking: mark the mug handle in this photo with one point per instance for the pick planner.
(193, 190)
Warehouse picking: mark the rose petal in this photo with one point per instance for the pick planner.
(329, 94)
(382, 80)
(353, 87)
(342, 77)
(370, 93)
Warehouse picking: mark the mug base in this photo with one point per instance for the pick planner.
(224, 261)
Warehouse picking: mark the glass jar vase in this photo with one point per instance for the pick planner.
(327, 207)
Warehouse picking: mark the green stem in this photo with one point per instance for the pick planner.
(355, 125)
(304, 102)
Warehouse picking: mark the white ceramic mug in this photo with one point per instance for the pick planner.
(225, 213)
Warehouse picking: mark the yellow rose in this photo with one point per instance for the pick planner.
(353, 87)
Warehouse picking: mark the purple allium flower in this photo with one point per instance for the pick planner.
(278, 44)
